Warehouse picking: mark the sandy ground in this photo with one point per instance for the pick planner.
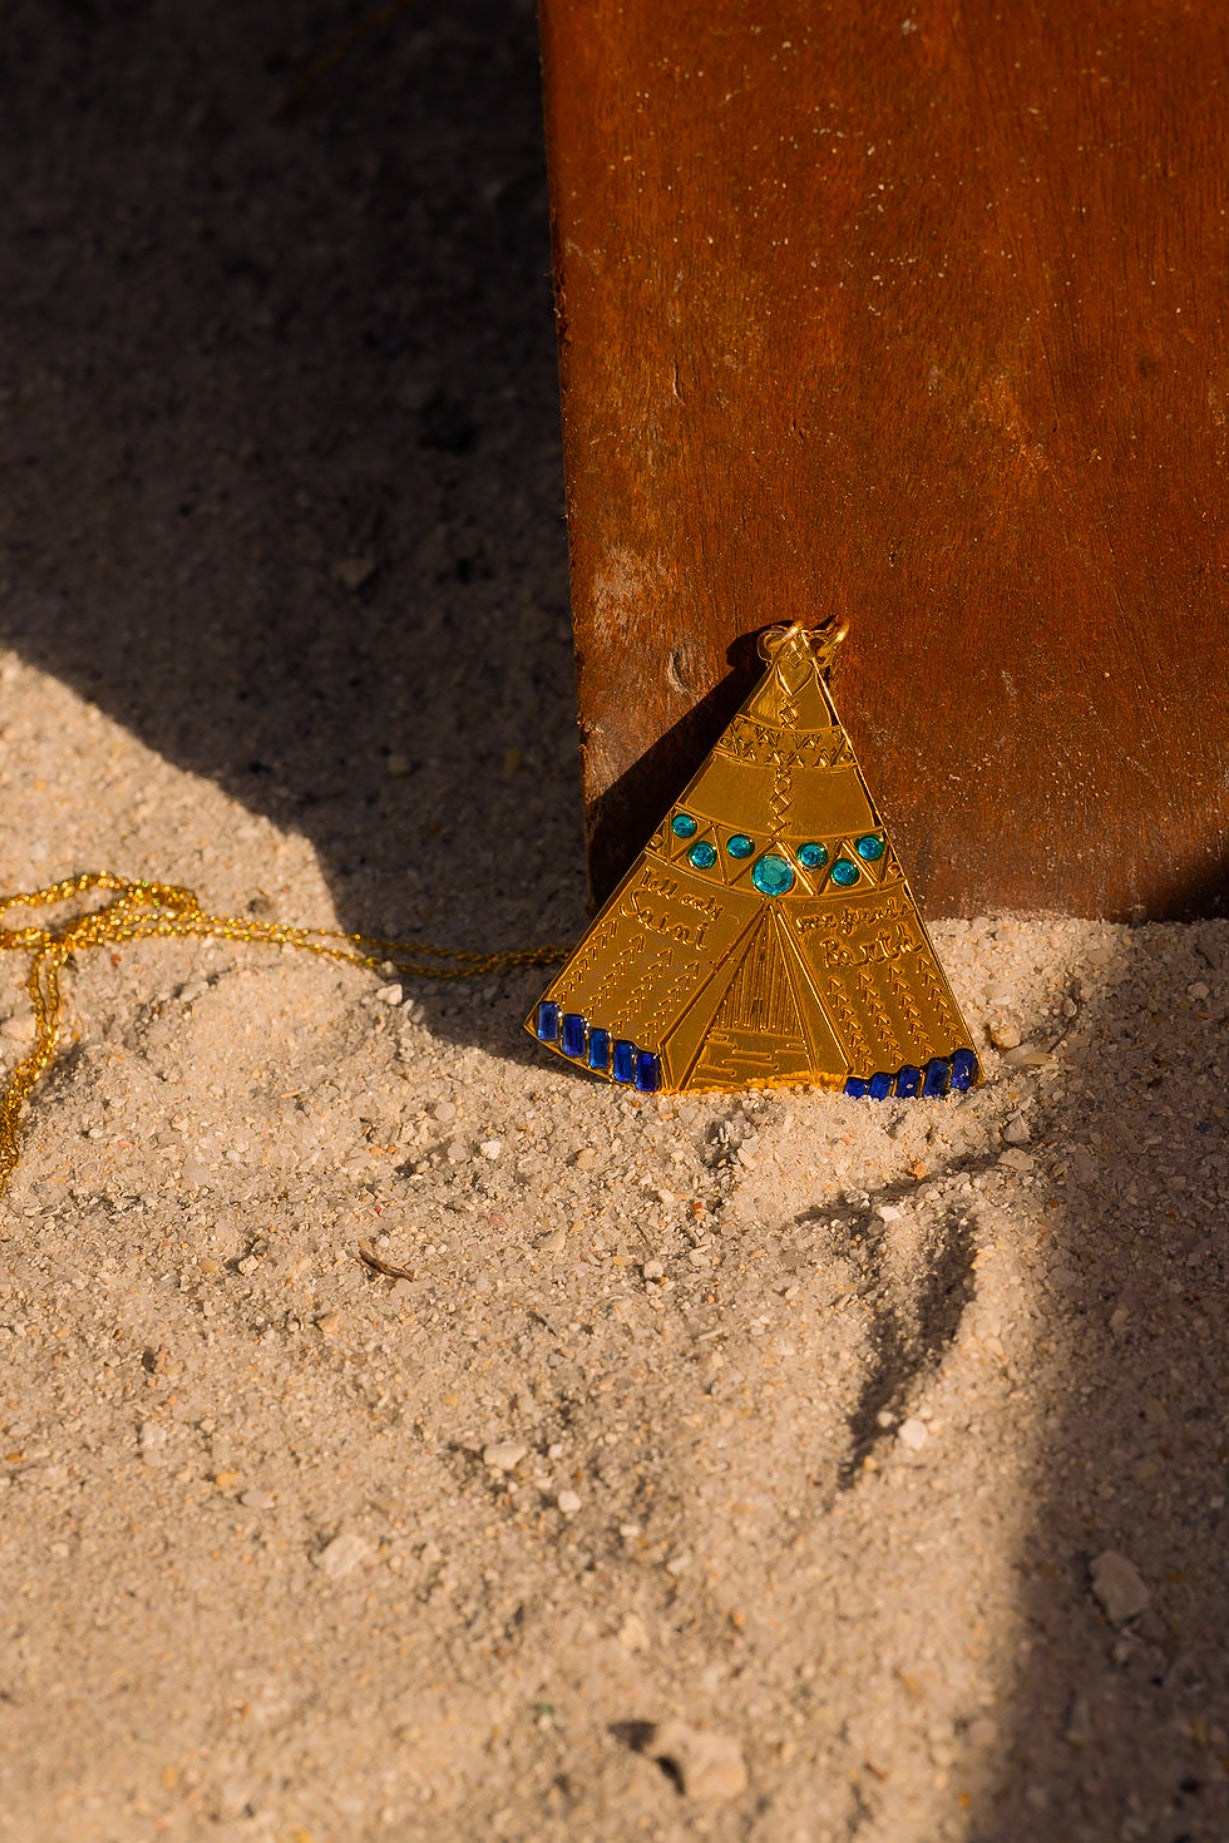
(800, 1422)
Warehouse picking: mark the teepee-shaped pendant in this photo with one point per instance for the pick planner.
(766, 936)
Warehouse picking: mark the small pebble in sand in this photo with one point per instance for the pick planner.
(1028, 1056)
(503, 1455)
(1016, 1131)
(1016, 1159)
(342, 1556)
(256, 1499)
(1003, 1033)
(633, 1633)
(491, 1148)
(653, 1270)
(353, 572)
(390, 994)
(1118, 1585)
(568, 1503)
(912, 1433)
(707, 1765)
(445, 1112)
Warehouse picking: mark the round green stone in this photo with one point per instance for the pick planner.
(812, 857)
(684, 826)
(870, 847)
(702, 856)
(844, 872)
(772, 875)
(739, 845)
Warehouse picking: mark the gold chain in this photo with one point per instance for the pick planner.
(143, 911)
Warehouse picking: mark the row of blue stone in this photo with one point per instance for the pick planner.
(617, 1057)
(772, 874)
(941, 1074)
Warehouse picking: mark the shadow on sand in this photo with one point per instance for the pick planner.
(284, 490)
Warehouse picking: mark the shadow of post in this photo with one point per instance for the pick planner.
(284, 488)
(1118, 1725)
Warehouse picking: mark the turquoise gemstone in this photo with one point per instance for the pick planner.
(702, 856)
(844, 872)
(772, 875)
(870, 847)
(739, 845)
(812, 857)
(684, 826)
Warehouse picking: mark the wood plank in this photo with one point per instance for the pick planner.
(914, 313)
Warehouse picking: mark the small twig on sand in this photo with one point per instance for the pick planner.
(337, 52)
(369, 1257)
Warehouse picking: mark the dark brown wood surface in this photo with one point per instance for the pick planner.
(914, 313)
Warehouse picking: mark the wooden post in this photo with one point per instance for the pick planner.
(914, 313)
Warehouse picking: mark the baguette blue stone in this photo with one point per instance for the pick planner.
(623, 1061)
(856, 1087)
(880, 1086)
(964, 1070)
(648, 1072)
(938, 1069)
(599, 1050)
(572, 1039)
(908, 1082)
(548, 1022)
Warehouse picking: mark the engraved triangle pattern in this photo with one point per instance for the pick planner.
(766, 936)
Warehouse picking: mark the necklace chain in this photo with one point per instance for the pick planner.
(162, 911)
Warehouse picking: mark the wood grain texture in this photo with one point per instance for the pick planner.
(914, 313)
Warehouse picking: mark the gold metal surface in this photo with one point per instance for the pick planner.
(701, 976)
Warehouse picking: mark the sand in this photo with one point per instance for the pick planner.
(866, 1463)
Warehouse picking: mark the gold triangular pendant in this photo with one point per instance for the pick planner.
(766, 936)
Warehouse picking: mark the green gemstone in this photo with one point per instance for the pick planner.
(844, 872)
(684, 826)
(772, 875)
(870, 847)
(702, 856)
(812, 857)
(739, 845)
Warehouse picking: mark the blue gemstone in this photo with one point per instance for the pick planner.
(938, 1070)
(844, 872)
(648, 1072)
(908, 1082)
(739, 845)
(623, 1062)
(548, 1022)
(964, 1070)
(572, 1041)
(870, 847)
(599, 1049)
(856, 1087)
(702, 856)
(812, 857)
(772, 875)
(881, 1086)
(684, 826)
